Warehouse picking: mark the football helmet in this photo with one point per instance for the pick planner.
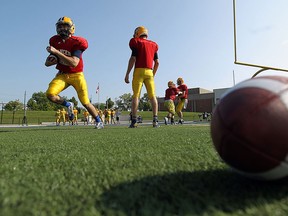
(65, 31)
(180, 81)
(140, 31)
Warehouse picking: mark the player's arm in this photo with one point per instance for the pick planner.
(131, 64)
(156, 64)
(71, 61)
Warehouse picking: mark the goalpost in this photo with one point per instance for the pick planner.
(262, 67)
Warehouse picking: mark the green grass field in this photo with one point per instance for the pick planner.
(171, 170)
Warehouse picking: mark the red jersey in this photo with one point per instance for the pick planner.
(145, 52)
(67, 47)
(183, 88)
(170, 93)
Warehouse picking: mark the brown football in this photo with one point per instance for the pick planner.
(249, 127)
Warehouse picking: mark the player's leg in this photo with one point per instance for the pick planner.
(150, 87)
(80, 85)
(172, 112)
(57, 85)
(166, 105)
(179, 108)
(137, 83)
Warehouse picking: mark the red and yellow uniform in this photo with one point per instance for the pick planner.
(68, 47)
(182, 97)
(144, 59)
(170, 96)
(145, 52)
(67, 75)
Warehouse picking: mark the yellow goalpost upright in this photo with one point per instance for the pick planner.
(262, 67)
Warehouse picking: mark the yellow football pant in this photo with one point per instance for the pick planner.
(169, 105)
(180, 105)
(140, 76)
(63, 81)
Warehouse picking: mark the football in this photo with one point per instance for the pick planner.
(52, 58)
(249, 127)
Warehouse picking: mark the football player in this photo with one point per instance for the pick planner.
(58, 117)
(182, 98)
(170, 96)
(66, 53)
(144, 59)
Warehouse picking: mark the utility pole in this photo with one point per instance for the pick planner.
(24, 120)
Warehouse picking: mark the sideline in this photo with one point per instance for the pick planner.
(81, 124)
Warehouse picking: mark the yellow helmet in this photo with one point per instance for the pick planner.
(170, 83)
(140, 31)
(180, 81)
(66, 21)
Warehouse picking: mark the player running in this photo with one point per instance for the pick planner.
(66, 53)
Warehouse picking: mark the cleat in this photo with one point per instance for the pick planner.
(165, 120)
(155, 124)
(99, 125)
(181, 121)
(70, 111)
(133, 125)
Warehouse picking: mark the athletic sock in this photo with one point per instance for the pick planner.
(66, 104)
(97, 119)
(155, 118)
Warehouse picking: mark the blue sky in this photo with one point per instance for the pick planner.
(195, 39)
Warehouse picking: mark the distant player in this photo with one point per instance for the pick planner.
(58, 117)
(170, 96)
(66, 53)
(86, 117)
(117, 114)
(63, 116)
(75, 120)
(113, 112)
(144, 59)
(182, 98)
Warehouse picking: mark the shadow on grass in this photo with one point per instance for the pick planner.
(200, 192)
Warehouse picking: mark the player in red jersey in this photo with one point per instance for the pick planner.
(66, 53)
(144, 59)
(170, 96)
(182, 98)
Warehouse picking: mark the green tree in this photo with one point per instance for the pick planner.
(109, 103)
(39, 101)
(125, 101)
(73, 100)
(14, 105)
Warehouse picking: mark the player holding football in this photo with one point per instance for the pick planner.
(66, 53)
(170, 96)
(144, 59)
(182, 98)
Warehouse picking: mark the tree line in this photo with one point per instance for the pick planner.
(39, 102)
